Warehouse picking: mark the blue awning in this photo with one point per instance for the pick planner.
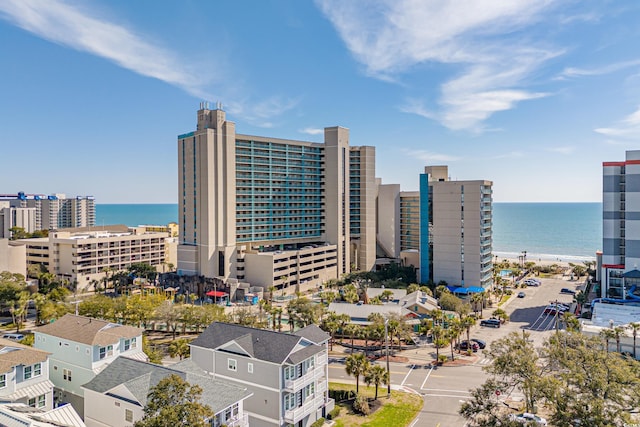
(460, 290)
(475, 289)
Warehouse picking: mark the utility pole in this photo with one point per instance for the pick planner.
(557, 310)
(386, 344)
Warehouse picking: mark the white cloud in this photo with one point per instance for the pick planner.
(312, 131)
(611, 68)
(509, 155)
(629, 127)
(562, 150)
(429, 157)
(390, 37)
(69, 26)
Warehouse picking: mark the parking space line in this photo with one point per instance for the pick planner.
(408, 373)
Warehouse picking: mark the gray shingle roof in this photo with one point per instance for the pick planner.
(87, 330)
(139, 377)
(261, 344)
(313, 333)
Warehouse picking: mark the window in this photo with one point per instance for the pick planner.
(232, 365)
(3, 381)
(129, 344)
(250, 368)
(28, 372)
(42, 401)
(106, 351)
(37, 370)
(289, 401)
(128, 415)
(66, 374)
(32, 402)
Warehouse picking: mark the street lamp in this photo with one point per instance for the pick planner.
(386, 344)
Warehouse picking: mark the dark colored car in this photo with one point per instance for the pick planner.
(567, 291)
(480, 343)
(494, 323)
(464, 346)
(521, 295)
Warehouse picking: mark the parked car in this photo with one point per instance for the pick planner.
(521, 295)
(494, 323)
(14, 337)
(532, 282)
(465, 345)
(567, 291)
(552, 308)
(480, 343)
(527, 418)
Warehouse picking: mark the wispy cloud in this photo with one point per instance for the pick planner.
(391, 37)
(429, 157)
(562, 150)
(629, 127)
(312, 131)
(610, 68)
(69, 26)
(509, 155)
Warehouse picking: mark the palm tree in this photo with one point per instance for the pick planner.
(467, 322)
(437, 333)
(350, 330)
(500, 314)
(607, 334)
(634, 330)
(477, 300)
(376, 375)
(357, 365)
(618, 332)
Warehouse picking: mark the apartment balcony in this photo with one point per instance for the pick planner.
(293, 416)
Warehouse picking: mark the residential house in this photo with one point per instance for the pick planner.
(80, 348)
(24, 375)
(287, 373)
(419, 303)
(394, 294)
(116, 397)
(19, 414)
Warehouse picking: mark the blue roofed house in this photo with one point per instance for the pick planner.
(287, 373)
(116, 397)
(80, 348)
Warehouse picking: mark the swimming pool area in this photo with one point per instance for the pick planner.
(505, 273)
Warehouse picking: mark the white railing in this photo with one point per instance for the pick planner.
(241, 421)
(307, 378)
(294, 415)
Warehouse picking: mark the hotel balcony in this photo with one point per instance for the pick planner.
(311, 405)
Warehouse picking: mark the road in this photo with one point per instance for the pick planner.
(444, 388)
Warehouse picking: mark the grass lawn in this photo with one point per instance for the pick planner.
(399, 410)
(504, 299)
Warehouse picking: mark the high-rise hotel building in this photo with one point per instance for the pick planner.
(621, 227)
(273, 212)
(455, 230)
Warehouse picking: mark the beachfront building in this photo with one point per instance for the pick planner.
(11, 216)
(54, 211)
(84, 255)
(117, 396)
(80, 348)
(621, 228)
(455, 230)
(274, 212)
(288, 374)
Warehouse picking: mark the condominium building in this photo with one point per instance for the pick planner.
(398, 220)
(287, 212)
(621, 227)
(10, 217)
(455, 229)
(84, 256)
(55, 211)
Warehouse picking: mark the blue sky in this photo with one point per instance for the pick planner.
(531, 94)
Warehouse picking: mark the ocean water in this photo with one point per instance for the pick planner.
(549, 231)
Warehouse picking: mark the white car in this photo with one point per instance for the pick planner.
(528, 418)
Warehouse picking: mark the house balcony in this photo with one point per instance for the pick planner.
(293, 416)
(240, 421)
(310, 376)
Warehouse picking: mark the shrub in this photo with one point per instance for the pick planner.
(361, 405)
(341, 395)
(334, 413)
(442, 358)
(318, 423)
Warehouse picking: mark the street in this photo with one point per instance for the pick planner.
(445, 387)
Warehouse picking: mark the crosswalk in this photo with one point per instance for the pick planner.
(482, 362)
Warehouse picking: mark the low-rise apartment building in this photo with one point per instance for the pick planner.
(287, 373)
(116, 397)
(80, 348)
(84, 255)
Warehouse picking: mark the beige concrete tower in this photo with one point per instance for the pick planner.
(362, 207)
(388, 228)
(206, 190)
(336, 157)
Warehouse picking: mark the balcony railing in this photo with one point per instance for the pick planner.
(242, 421)
(294, 415)
(310, 376)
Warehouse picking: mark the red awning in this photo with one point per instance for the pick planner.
(216, 294)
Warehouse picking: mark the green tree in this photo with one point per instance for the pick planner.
(483, 409)
(357, 365)
(449, 302)
(350, 294)
(18, 309)
(98, 307)
(634, 326)
(499, 313)
(174, 402)
(412, 288)
(143, 270)
(179, 348)
(18, 233)
(376, 375)
(154, 355)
